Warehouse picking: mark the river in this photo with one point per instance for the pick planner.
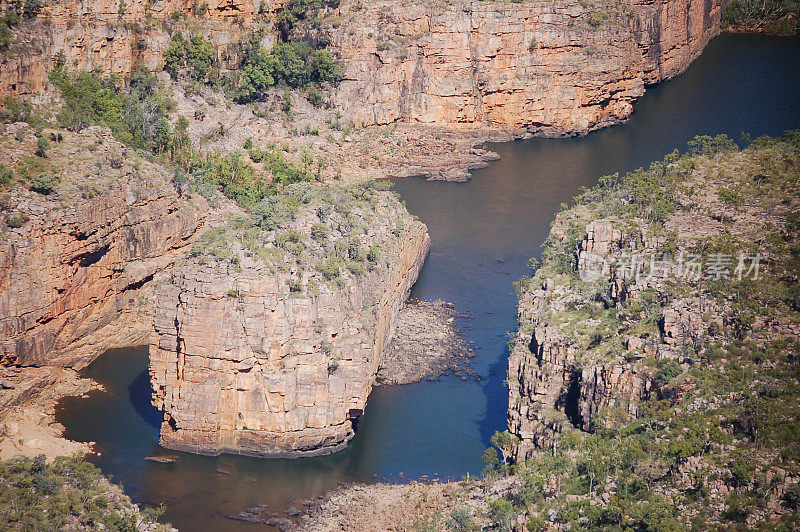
(483, 232)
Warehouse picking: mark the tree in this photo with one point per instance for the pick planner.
(175, 55)
(199, 57)
(506, 442)
(42, 146)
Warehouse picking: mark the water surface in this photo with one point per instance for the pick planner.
(483, 233)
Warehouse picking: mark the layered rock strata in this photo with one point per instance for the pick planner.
(569, 363)
(271, 348)
(541, 68)
(560, 68)
(73, 274)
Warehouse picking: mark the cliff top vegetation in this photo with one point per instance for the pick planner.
(715, 440)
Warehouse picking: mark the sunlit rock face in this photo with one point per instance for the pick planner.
(73, 277)
(551, 68)
(268, 357)
(547, 68)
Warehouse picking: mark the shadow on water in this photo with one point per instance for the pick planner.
(139, 393)
(483, 232)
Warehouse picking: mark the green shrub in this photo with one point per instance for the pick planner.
(294, 64)
(17, 221)
(271, 213)
(235, 178)
(291, 241)
(460, 520)
(792, 496)
(44, 184)
(31, 8)
(374, 254)
(8, 21)
(330, 268)
(729, 196)
(42, 146)
(315, 96)
(194, 55)
(501, 512)
(772, 16)
(137, 118)
(320, 231)
(6, 176)
(283, 172)
(667, 370)
(708, 145)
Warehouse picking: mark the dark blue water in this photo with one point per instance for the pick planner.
(483, 233)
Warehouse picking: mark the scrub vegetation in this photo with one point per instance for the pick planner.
(777, 17)
(717, 442)
(69, 494)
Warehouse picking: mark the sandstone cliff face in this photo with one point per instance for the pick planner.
(541, 68)
(104, 36)
(559, 370)
(80, 264)
(273, 350)
(559, 68)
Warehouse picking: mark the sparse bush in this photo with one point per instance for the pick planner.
(330, 268)
(319, 231)
(44, 184)
(374, 254)
(66, 494)
(42, 146)
(8, 21)
(17, 221)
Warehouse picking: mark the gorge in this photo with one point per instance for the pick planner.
(442, 427)
(237, 231)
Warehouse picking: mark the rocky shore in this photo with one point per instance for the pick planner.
(426, 345)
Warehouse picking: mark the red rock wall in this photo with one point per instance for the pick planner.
(274, 372)
(78, 268)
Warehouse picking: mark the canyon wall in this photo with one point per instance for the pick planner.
(573, 357)
(111, 36)
(552, 68)
(85, 253)
(558, 68)
(273, 353)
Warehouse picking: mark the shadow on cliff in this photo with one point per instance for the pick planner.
(140, 391)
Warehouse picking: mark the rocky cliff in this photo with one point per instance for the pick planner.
(559, 370)
(267, 342)
(638, 280)
(542, 68)
(558, 68)
(76, 261)
(111, 37)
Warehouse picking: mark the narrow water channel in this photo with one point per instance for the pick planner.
(483, 233)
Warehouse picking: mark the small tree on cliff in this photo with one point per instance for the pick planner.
(506, 442)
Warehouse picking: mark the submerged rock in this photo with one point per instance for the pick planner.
(426, 344)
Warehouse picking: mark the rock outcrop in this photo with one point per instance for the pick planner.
(72, 275)
(271, 349)
(553, 376)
